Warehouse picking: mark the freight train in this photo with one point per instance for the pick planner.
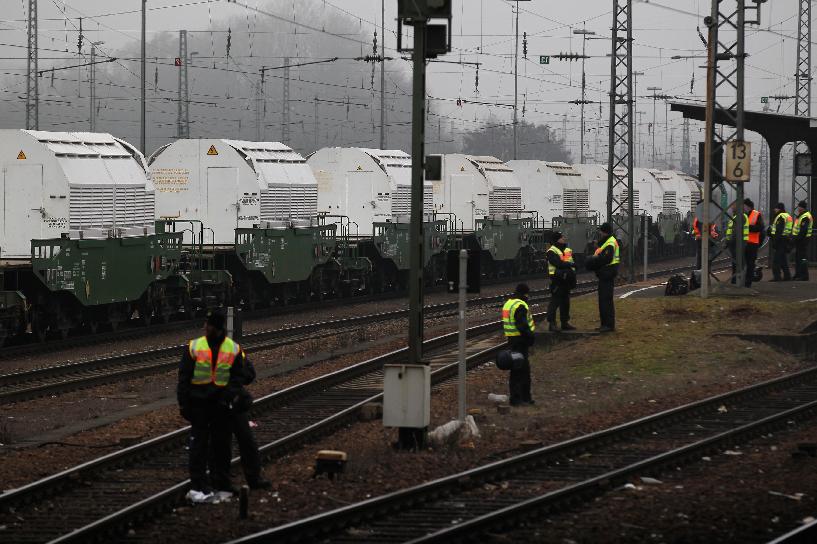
(95, 235)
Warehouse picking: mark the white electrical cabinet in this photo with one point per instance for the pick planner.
(406, 396)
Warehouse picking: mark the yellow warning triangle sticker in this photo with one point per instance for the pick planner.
(21, 156)
(212, 150)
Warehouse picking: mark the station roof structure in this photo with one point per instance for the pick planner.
(776, 128)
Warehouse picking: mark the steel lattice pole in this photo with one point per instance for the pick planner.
(725, 82)
(620, 197)
(32, 79)
(800, 189)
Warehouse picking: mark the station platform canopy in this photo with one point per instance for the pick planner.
(776, 128)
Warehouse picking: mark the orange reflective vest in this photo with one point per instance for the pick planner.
(754, 237)
(696, 229)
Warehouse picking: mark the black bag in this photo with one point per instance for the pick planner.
(676, 285)
(509, 360)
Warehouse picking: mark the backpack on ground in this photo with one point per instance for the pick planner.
(676, 285)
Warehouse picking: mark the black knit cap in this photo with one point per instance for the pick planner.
(803, 204)
(605, 227)
(522, 289)
(217, 319)
(556, 237)
(780, 206)
(749, 202)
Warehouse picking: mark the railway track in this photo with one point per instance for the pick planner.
(19, 386)
(136, 330)
(56, 379)
(502, 494)
(99, 499)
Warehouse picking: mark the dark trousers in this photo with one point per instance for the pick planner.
(209, 444)
(801, 260)
(559, 300)
(519, 379)
(607, 310)
(780, 264)
(751, 259)
(247, 447)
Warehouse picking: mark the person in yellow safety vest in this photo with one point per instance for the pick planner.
(604, 262)
(518, 326)
(780, 233)
(756, 232)
(801, 232)
(210, 378)
(562, 274)
(731, 240)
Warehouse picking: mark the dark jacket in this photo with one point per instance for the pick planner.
(185, 391)
(243, 400)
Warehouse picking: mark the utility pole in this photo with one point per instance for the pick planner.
(318, 126)
(183, 108)
(32, 79)
(285, 105)
(763, 190)
(722, 49)
(685, 164)
(92, 90)
(382, 81)
(142, 111)
(620, 157)
(654, 99)
(259, 103)
(516, 83)
(800, 189)
(636, 134)
(584, 34)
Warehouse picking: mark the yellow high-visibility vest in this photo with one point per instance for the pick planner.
(205, 372)
(611, 241)
(509, 317)
(565, 256)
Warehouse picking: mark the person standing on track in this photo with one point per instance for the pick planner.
(562, 274)
(211, 374)
(780, 231)
(756, 229)
(240, 423)
(604, 262)
(518, 326)
(801, 232)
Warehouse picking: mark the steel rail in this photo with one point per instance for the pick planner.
(55, 379)
(322, 526)
(81, 475)
(50, 380)
(35, 348)
(114, 521)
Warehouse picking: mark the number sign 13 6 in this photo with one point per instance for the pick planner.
(738, 161)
